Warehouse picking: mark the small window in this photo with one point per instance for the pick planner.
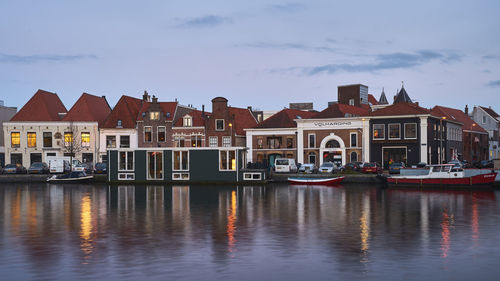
(274, 142)
(68, 138)
(410, 131)
(110, 141)
(147, 134)
(15, 139)
(119, 124)
(219, 124)
(289, 143)
(378, 131)
(394, 131)
(484, 119)
(31, 139)
(260, 143)
(155, 115)
(125, 141)
(212, 142)
(196, 141)
(351, 102)
(226, 141)
(187, 121)
(312, 140)
(161, 134)
(354, 140)
(47, 139)
(85, 139)
(227, 160)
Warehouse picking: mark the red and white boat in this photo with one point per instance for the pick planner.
(444, 175)
(316, 181)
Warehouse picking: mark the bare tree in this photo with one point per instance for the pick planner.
(71, 145)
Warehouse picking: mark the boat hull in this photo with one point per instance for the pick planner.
(477, 180)
(316, 181)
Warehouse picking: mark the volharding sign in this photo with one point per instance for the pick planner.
(332, 124)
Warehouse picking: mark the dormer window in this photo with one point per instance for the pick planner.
(187, 121)
(119, 123)
(155, 115)
(219, 124)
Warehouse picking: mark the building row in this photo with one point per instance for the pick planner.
(357, 127)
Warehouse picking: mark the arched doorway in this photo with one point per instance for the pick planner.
(332, 149)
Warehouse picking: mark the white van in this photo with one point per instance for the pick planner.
(285, 165)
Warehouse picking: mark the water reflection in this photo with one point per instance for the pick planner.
(161, 229)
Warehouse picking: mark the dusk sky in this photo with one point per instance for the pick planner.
(264, 54)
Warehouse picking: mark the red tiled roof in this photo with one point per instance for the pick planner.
(400, 108)
(372, 99)
(43, 106)
(339, 110)
(243, 119)
(457, 115)
(490, 111)
(285, 119)
(126, 110)
(197, 118)
(89, 108)
(166, 107)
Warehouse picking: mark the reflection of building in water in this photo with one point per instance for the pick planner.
(445, 234)
(155, 205)
(364, 223)
(228, 213)
(126, 198)
(181, 215)
(86, 227)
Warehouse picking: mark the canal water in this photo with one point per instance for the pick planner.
(273, 232)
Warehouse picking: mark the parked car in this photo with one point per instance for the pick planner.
(79, 168)
(372, 168)
(88, 168)
(14, 169)
(326, 167)
(350, 167)
(285, 165)
(308, 168)
(360, 165)
(101, 168)
(395, 168)
(38, 168)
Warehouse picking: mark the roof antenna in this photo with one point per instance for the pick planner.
(402, 84)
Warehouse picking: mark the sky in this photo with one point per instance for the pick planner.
(264, 54)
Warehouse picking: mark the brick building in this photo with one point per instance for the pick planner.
(155, 122)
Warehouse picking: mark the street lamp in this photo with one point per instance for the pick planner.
(231, 126)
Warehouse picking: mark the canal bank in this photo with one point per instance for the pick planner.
(27, 178)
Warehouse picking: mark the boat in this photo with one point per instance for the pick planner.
(443, 175)
(75, 176)
(316, 181)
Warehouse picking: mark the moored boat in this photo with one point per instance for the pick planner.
(316, 181)
(75, 176)
(444, 175)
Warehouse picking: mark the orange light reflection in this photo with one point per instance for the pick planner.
(231, 221)
(86, 228)
(445, 234)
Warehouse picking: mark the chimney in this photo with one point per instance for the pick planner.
(146, 96)
(466, 110)
(416, 103)
(155, 100)
(203, 111)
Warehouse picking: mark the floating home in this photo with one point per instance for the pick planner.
(190, 165)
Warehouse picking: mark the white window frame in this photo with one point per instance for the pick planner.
(144, 134)
(126, 176)
(84, 144)
(181, 162)
(484, 119)
(416, 131)
(162, 166)
(210, 141)
(226, 141)
(107, 141)
(121, 141)
(180, 176)
(227, 157)
(154, 115)
(126, 160)
(350, 139)
(389, 131)
(158, 133)
(187, 121)
(252, 176)
(309, 140)
(223, 124)
(351, 102)
(373, 132)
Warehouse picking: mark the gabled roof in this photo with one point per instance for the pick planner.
(383, 98)
(166, 107)
(126, 110)
(339, 110)
(89, 108)
(457, 115)
(43, 106)
(372, 99)
(196, 115)
(285, 119)
(402, 96)
(490, 112)
(401, 108)
(243, 119)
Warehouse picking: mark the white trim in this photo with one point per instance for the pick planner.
(188, 128)
(179, 176)
(223, 125)
(389, 131)
(178, 148)
(180, 158)
(350, 139)
(416, 131)
(158, 133)
(423, 140)
(373, 132)
(322, 147)
(126, 160)
(162, 166)
(144, 134)
(227, 154)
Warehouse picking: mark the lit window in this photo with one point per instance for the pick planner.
(161, 134)
(227, 160)
(378, 131)
(187, 121)
(15, 139)
(147, 134)
(196, 141)
(68, 138)
(181, 161)
(226, 141)
(212, 141)
(154, 115)
(31, 139)
(126, 161)
(85, 139)
(394, 131)
(219, 125)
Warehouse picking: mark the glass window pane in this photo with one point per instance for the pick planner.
(185, 160)
(177, 160)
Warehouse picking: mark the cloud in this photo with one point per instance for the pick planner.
(288, 46)
(385, 62)
(6, 58)
(495, 83)
(289, 7)
(204, 21)
(491, 57)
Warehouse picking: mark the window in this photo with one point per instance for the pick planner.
(196, 141)
(68, 138)
(212, 142)
(161, 134)
(126, 161)
(260, 143)
(155, 165)
(354, 139)
(394, 131)
(119, 123)
(378, 131)
(289, 143)
(219, 124)
(227, 161)
(47, 139)
(411, 131)
(274, 142)
(187, 121)
(147, 134)
(15, 139)
(354, 156)
(312, 158)
(110, 141)
(181, 161)
(125, 141)
(226, 141)
(312, 141)
(85, 139)
(154, 115)
(351, 102)
(484, 119)
(31, 139)
(179, 141)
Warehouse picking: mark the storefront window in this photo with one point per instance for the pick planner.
(126, 161)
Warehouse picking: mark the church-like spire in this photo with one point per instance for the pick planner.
(383, 98)
(402, 96)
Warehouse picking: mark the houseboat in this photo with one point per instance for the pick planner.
(445, 175)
